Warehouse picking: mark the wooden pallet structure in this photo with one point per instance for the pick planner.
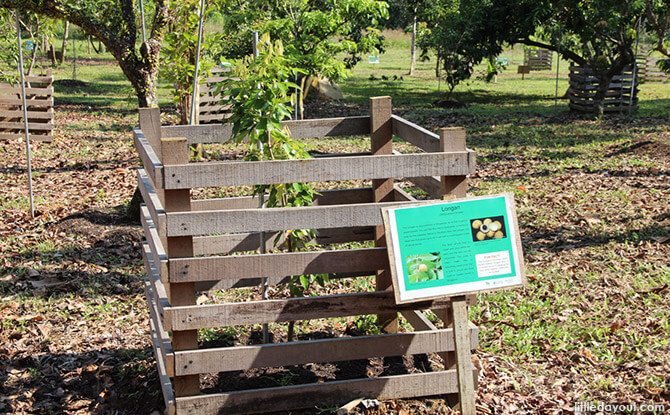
(189, 244)
(583, 87)
(647, 68)
(538, 59)
(40, 102)
(210, 109)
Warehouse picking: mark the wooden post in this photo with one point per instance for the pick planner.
(453, 139)
(466, 383)
(150, 123)
(175, 151)
(381, 137)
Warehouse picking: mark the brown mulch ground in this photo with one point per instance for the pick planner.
(75, 338)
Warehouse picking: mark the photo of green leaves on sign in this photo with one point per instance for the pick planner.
(424, 267)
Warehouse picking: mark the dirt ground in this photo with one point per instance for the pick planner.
(75, 332)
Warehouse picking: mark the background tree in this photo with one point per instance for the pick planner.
(180, 49)
(315, 33)
(657, 19)
(114, 23)
(458, 33)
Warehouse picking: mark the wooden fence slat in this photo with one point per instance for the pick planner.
(47, 90)
(32, 102)
(160, 295)
(315, 351)
(161, 366)
(150, 161)
(249, 241)
(32, 115)
(163, 346)
(154, 241)
(31, 126)
(316, 128)
(324, 198)
(33, 136)
(277, 265)
(316, 170)
(40, 79)
(326, 393)
(152, 200)
(304, 308)
(414, 134)
(249, 220)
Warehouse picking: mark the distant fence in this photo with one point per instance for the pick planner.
(538, 59)
(648, 70)
(189, 242)
(583, 88)
(40, 102)
(211, 111)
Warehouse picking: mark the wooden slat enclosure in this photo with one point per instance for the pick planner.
(209, 109)
(538, 59)
(214, 244)
(648, 70)
(39, 100)
(583, 87)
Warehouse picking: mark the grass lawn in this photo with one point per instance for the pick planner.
(592, 198)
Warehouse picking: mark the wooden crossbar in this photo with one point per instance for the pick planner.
(314, 351)
(292, 309)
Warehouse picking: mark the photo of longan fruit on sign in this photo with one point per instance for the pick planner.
(481, 235)
(476, 224)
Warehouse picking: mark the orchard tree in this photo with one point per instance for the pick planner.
(458, 33)
(657, 19)
(315, 34)
(114, 23)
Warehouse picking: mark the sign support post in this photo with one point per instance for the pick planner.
(453, 139)
(466, 383)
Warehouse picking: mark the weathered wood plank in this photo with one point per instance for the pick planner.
(462, 343)
(150, 161)
(163, 346)
(220, 133)
(32, 115)
(40, 79)
(152, 200)
(414, 134)
(154, 241)
(32, 102)
(163, 374)
(47, 90)
(324, 198)
(249, 220)
(33, 136)
(305, 308)
(316, 170)
(160, 295)
(277, 265)
(31, 125)
(249, 241)
(329, 127)
(326, 393)
(315, 351)
(419, 321)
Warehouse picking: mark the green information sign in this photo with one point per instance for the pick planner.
(451, 248)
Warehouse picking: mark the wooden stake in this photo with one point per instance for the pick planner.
(175, 151)
(381, 137)
(466, 384)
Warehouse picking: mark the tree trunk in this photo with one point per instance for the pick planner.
(63, 47)
(438, 61)
(412, 62)
(599, 97)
